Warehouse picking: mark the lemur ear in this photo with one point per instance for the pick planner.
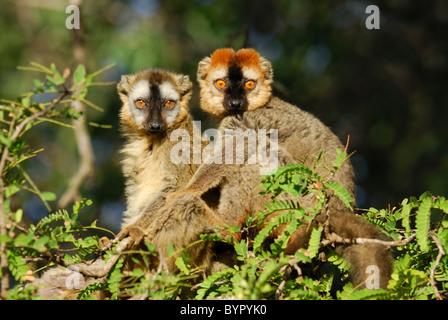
(266, 66)
(185, 83)
(125, 83)
(203, 67)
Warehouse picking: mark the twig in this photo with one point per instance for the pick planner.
(85, 169)
(431, 281)
(162, 266)
(335, 238)
(99, 270)
(287, 269)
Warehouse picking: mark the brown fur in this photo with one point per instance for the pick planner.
(247, 59)
(228, 56)
(301, 137)
(146, 164)
(150, 174)
(234, 188)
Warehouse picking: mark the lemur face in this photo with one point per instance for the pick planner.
(154, 100)
(234, 82)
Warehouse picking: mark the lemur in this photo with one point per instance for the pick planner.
(235, 88)
(155, 104)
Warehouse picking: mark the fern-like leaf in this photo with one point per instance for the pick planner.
(314, 242)
(341, 193)
(208, 283)
(366, 294)
(269, 228)
(422, 222)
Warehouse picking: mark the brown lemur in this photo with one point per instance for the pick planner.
(155, 105)
(236, 90)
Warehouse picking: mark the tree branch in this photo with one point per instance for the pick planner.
(334, 238)
(86, 165)
(431, 281)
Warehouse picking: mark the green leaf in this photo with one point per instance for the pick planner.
(405, 214)
(18, 215)
(39, 86)
(40, 244)
(6, 141)
(23, 240)
(340, 158)
(342, 193)
(11, 189)
(48, 196)
(26, 101)
(80, 75)
(314, 242)
(180, 263)
(56, 79)
(241, 249)
(422, 222)
(366, 294)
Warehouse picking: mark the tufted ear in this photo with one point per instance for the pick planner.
(125, 83)
(203, 68)
(266, 66)
(124, 86)
(184, 83)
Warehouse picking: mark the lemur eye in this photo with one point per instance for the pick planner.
(140, 103)
(250, 84)
(220, 84)
(169, 103)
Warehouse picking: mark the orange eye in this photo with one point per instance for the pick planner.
(220, 84)
(250, 84)
(140, 103)
(169, 104)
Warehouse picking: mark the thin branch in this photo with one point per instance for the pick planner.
(434, 267)
(287, 269)
(95, 268)
(334, 238)
(86, 166)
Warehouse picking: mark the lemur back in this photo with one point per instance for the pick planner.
(236, 90)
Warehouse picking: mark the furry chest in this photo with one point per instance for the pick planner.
(148, 176)
(145, 180)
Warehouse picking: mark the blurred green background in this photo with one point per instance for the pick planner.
(385, 88)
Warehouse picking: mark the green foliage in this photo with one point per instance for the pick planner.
(269, 269)
(262, 269)
(59, 237)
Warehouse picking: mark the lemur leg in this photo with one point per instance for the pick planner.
(370, 263)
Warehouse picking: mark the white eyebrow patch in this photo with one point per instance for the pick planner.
(140, 90)
(250, 73)
(168, 92)
(218, 73)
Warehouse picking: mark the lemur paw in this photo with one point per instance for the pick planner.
(136, 233)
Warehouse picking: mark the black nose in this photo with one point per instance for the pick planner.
(234, 104)
(154, 127)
